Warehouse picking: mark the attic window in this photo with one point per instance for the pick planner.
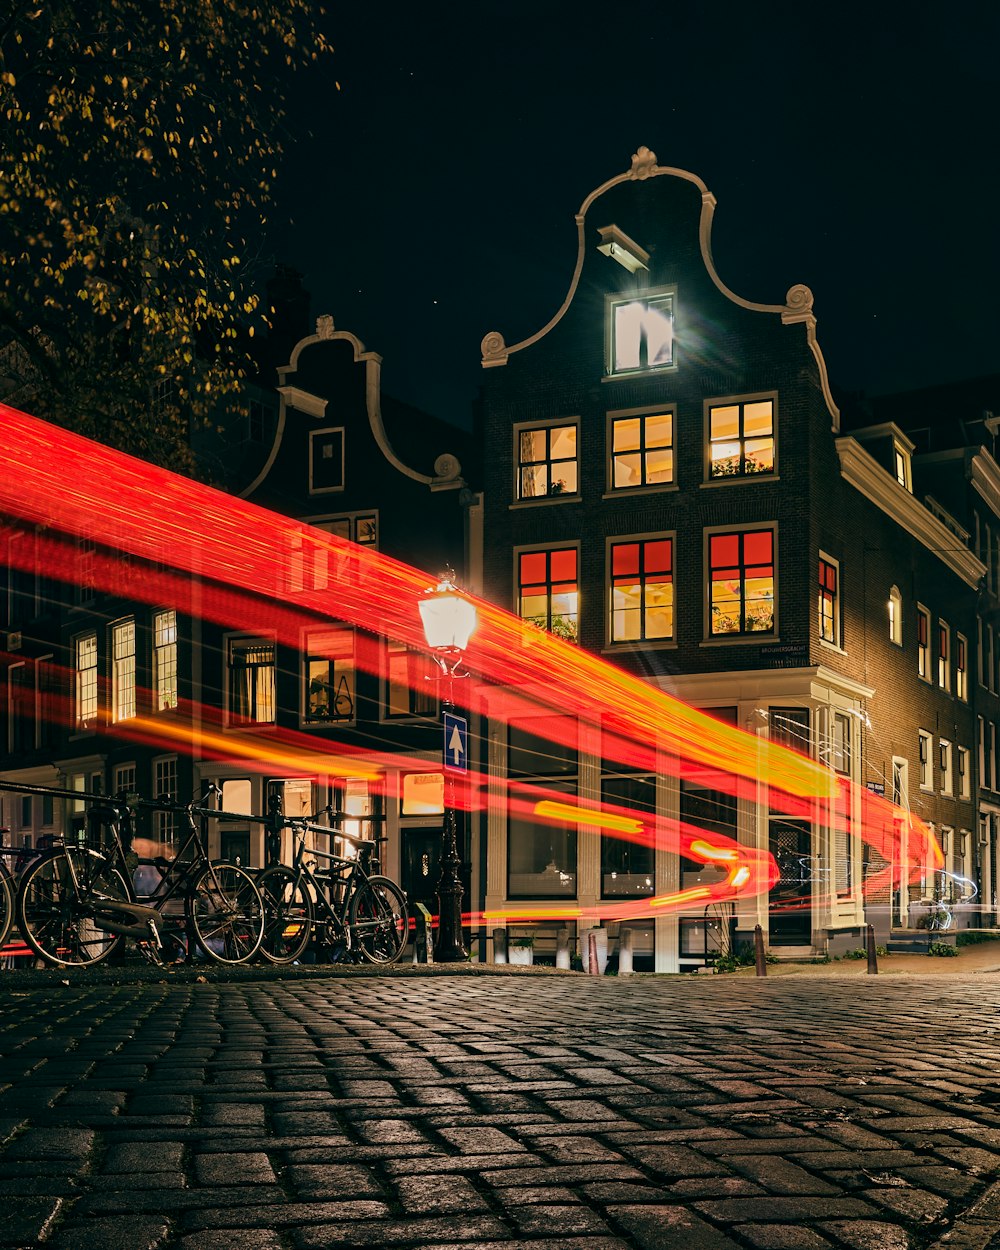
(901, 465)
(616, 244)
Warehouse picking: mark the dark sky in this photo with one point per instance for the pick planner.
(432, 196)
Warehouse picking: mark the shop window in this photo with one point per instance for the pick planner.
(542, 767)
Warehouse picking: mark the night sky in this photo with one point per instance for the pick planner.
(431, 198)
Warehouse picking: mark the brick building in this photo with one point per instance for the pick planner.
(668, 482)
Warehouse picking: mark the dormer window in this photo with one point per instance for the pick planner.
(901, 464)
(640, 331)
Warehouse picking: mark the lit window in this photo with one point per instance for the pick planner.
(165, 659)
(961, 667)
(829, 601)
(642, 590)
(326, 461)
(841, 754)
(330, 677)
(945, 761)
(741, 438)
(741, 582)
(901, 466)
(423, 794)
(546, 461)
(410, 681)
(86, 679)
(641, 332)
(251, 680)
(548, 594)
(896, 616)
(944, 655)
(923, 643)
(642, 450)
(925, 745)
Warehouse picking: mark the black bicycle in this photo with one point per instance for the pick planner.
(77, 905)
(342, 905)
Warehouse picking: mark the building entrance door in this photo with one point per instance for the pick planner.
(791, 899)
(421, 868)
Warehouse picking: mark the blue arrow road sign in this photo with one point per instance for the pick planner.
(456, 743)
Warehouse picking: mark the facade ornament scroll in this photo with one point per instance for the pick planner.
(324, 327)
(494, 349)
(643, 163)
(446, 469)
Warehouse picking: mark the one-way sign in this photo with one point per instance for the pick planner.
(456, 743)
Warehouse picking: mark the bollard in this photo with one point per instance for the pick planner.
(499, 946)
(870, 947)
(593, 967)
(423, 939)
(758, 951)
(562, 949)
(625, 952)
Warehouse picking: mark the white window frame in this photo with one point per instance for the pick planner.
(314, 436)
(924, 652)
(261, 639)
(87, 690)
(165, 675)
(925, 759)
(663, 294)
(124, 693)
(901, 456)
(962, 667)
(895, 616)
(946, 764)
(123, 778)
(836, 640)
(943, 650)
(164, 771)
(964, 773)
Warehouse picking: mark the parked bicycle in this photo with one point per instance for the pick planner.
(8, 891)
(77, 904)
(343, 905)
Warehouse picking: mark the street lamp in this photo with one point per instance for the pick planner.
(449, 620)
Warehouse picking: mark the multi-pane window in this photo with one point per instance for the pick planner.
(165, 659)
(964, 779)
(641, 333)
(642, 450)
(542, 769)
(924, 643)
(358, 527)
(547, 590)
(741, 582)
(330, 670)
(326, 461)
(123, 779)
(829, 601)
(628, 864)
(896, 616)
(546, 461)
(841, 744)
(741, 438)
(642, 590)
(944, 655)
(165, 787)
(410, 684)
(123, 670)
(945, 761)
(251, 680)
(86, 569)
(925, 747)
(86, 679)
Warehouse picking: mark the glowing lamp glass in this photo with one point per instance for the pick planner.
(449, 620)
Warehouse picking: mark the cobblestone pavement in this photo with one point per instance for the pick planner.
(550, 1112)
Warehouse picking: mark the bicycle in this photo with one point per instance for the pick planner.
(8, 891)
(344, 904)
(76, 906)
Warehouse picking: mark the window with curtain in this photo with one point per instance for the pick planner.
(251, 680)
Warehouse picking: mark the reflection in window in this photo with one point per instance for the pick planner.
(548, 595)
(546, 461)
(741, 438)
(642, 452)
(251, 680)
(411, 681)
(741, 577)
(541, 855)
(330, 676)
(628, 865)
(642, 334)
(642, 590)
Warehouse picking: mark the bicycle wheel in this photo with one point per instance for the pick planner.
(6, 904)
(56, 905)
(287, 915)
(226, 914)
(378, 920)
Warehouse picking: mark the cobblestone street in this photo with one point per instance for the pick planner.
(556, 1112)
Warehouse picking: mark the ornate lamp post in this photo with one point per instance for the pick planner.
(449, 620)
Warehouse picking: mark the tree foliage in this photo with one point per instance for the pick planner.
(139, 141)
